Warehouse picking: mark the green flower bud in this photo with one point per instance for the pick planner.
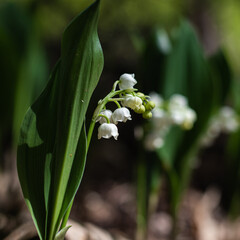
(140, 110)
(150, 105)
(147, 115)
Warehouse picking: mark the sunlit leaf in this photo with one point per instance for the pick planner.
(61, 234)
(52, 145)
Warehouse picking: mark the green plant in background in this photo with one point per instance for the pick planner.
(226, 120)
(231, 83)
(232, 193)
(53, 142)
(23, 70)
(178, 66)
(166, 114)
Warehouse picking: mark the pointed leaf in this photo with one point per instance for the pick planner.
(52, 145)
(61, 234)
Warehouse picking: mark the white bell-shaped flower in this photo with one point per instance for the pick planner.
(121, 115)
(127, 81)
(132, 102)
(107, 113)
(107, 130)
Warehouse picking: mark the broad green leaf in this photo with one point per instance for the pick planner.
(52, 145)
(61, 234)
(187, 73)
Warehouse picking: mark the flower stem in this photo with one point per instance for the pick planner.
(115, 99)
(117, 103)
(115, 86)
(66, 216)
(96, 113)
(107, 119)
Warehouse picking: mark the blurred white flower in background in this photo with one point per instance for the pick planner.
(167, 113)
(225, 121)
(153, 141)
(189, 118)
(178, 100)
(228, 119)
(180, 113)
(160, 119)
(156, 98)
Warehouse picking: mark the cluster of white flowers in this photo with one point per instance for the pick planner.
(225, 121)
(127, 98)
(175, 111)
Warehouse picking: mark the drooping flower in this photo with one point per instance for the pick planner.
(107, 113)
(127, 81)
(132, 102)
(121, 115)
(107, 130)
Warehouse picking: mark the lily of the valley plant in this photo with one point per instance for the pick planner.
(124, 98)
(53, 143)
